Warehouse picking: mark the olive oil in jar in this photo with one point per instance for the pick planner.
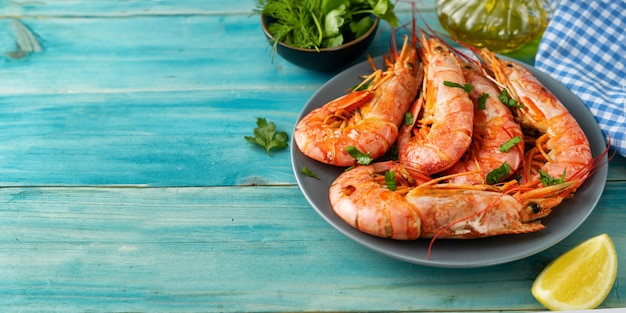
(500, 25)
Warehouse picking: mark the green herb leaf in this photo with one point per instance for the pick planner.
(379, 7)
(333, 41)
(390, 17)
(305, 170)
(505, 147)
(408, 119)
(496, 175)
(329, 5)
(361, 158)
(360, 27)
(295, 22)
(265, 135)
(390, 180)
(482, 101)
(466, 87)
(508, 101)
(333, 21)
(384, 10)
(361, 87)
(548, 180)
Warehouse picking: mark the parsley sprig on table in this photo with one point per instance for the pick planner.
(316, 24)
(266, 136)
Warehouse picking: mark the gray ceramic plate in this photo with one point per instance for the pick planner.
(457, 253)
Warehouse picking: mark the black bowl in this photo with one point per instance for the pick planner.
(325, 59)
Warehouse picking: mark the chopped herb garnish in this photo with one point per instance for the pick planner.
(408, 119)
(482, 101)
(361, 87)
(361, 158)
(505, 147)
(265, 135)
(498, 174)
(390, 180)
(466, 87)
(548, 180)
(306, 171)
(508, 101)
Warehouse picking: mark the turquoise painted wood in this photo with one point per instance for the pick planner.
(126, 183)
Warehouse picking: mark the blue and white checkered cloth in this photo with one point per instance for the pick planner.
(584, 47)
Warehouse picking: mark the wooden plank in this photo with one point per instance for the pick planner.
(126, 8)
(256, 249)
(160, 139)
(114, 8)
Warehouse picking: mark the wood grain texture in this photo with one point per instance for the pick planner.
(257, 249)
(161, 139)
(126, 8)
(126, 184)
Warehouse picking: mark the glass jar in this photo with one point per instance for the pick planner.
(500, 25)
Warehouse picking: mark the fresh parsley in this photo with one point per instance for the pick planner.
(390, 180)
(466, 87)
(266, 136)
(361, 158)
(316, 24)
(505, 147)
(548, 180)
(408, 119)
(306, 171)
(498, 174)
(508, 101)
(482, 101)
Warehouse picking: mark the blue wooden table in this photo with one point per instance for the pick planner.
(127, 185)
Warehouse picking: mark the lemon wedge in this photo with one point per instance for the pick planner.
(581, 278)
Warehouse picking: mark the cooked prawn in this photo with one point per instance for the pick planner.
(461, 213)
(362, 198)
(561, 147)
(441, 130)
(494, 126)
(367, 120)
